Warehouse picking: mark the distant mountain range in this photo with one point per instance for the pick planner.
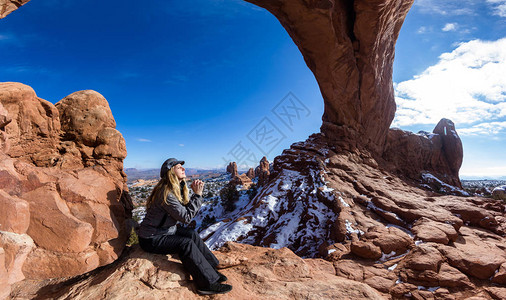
(148, 174)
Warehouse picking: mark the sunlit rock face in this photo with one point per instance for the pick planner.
(349, 46)
(63, 191)
(8, 6)
(254, 272)
(425, 155)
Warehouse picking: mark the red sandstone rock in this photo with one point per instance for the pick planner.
(498, 293)
(499, 193)
(475, 255)
(16, 248)
(452, 277)
(4, 117)
(365, 250)
(33, 132)
(14, 215)
(423, 257)
(263, 171)
(258, 273)
(335, 195)
(437, 154)
(431, 231)
(232, 169)
(500, 276)
(350, 50)
(251, 173)
(8, 6)
(243, 180)
(61, 185)
(452, 145)
(5, 287)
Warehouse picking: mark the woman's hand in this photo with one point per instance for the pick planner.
(198, 187)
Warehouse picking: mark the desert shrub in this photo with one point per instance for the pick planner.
(133, 239)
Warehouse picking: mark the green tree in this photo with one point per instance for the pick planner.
(252, 191)
(229, 196)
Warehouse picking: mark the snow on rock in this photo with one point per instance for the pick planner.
(351, 230)
(287, 212)
(432, 182)
(499, 192)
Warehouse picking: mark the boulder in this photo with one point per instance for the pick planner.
(499, 193)
(63, 191)
(474, 257)
(500, 275)
(432, 231)
(425, 156)
(16, 248)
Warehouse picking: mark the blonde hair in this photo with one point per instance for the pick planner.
(169, 184)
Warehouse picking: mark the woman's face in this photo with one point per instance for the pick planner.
(179, 171)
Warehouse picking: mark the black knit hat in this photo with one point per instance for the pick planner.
(168, 164)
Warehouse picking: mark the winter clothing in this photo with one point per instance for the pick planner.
(168, 164)
(159, 233)
(161, 217)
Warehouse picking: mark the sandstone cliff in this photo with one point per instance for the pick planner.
(63, 191)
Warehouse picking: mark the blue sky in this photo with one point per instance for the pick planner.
(197, 79)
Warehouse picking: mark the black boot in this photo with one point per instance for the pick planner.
(215, 288)
(222, 277)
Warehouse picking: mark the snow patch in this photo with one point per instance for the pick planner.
(430, 289)
(371, 205)
(391, 256)
(350, 229)
(229, 232)
(428, 177)
(501, 188)
(343, 202)
(401, 228)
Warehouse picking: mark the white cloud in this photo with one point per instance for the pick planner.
(144, 140)
(499, 7)
(467, 86)
(422, 29)
(450, 27)
(484, 129)
(447, 7)
(181, 145)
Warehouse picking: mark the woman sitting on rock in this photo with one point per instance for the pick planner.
(168, 205)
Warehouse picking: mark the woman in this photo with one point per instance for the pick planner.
(158, 233)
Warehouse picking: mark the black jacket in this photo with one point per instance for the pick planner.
(161, 217)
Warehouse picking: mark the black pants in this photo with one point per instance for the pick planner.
(197, 259)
